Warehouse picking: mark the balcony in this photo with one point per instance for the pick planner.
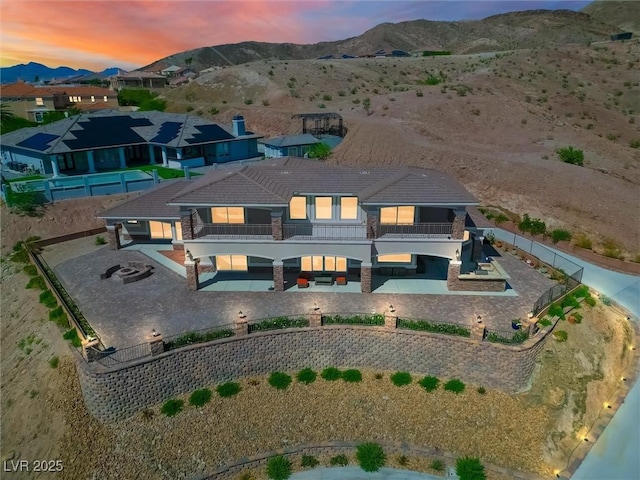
(237, 231)
(426, 230)
(324, 232)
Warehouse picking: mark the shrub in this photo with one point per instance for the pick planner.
(534, 226)
(425, 326)
(248, 101)
(309, 461)
(582, 241)
(571, 155)
(20, 255)
(53, 362)
(200, 397)
(469, 468)
(419, 93)
(429, 383)
(306, 375)
(172, 407)
(37, 282)
(100, 240)
(560, 235)
(378, 376)
(326, 97)
(339, 460)
(555, 310)
(352, 376)
(577, 317)
(403, 460)
(634, 143)
(561, 335)
(482, 390)
(590, 301)
(370, 456)
(331, 374)
(214, 111)
(228, 389)
(454, 385)
(279, 322)
(59, 317)
(48, 299)
(611, 248)
(437, 465)
(545, 322)
(30, 270)
(605, 300)
(72, 336)
(401, 378)
(197, 337)
(279, 380)
(265, 102)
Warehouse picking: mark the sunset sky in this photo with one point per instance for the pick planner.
(97, 34)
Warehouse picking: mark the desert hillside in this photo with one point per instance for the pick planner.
(622, 14)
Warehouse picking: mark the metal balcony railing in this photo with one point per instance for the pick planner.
(324, 232)
(415, 230)
(235, 231)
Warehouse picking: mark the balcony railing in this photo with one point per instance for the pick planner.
(415, 230)
(324, 232)
(235, 231)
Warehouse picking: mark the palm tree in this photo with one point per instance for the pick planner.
(6, 115)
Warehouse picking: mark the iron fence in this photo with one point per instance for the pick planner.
(417, 229)
(112, 356)
(324, 231)
(341, 318)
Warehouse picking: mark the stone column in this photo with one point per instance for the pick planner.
(457, 229)
(192, 273)
(165, 159)
(157, 344)
(123, 158)
(54, 165)
(315, 318)
(278, 276)
(477, 332)
(452, 275)
(89, 350)
(186, 224)
(241, 326)
(372, 222)
(390, 320)
(276, 225)
(92, 164)
(152, 155)
(365, 278)
(113, 236)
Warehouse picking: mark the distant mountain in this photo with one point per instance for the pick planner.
(516, 30)
(621, 14)
(28, 72)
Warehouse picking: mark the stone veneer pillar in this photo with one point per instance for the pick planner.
(241, 326)
(390, 320)
(187, 225)
(276, 225)
(113, 236)
(278, 276)
(365, 278)
(477, 332)
(192, 273)
(372, 223)
(452, 275)
(457, 229)
(315, 318)
(157, 344)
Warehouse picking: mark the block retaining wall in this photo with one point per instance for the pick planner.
(113, 393)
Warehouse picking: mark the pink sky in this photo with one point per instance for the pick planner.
(96, 34)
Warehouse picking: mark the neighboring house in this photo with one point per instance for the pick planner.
(138, 79)
(108, 140)
(31, 102)
(288, 145)
(171, 71)
(297, 217)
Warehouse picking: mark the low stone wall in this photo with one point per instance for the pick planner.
(118, 392)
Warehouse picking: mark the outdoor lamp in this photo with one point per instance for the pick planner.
(315, 306)
(479, 319)
(241, 315)
(391, 309)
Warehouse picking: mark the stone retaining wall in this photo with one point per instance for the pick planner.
(118, 392)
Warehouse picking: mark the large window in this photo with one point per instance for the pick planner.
(323, 208)
(227, 215)
(349, 208)
(231, 262)
(395, 258)
(160, 229)
(39, 102)
(323, 264)
(397, 215)
(298, 208)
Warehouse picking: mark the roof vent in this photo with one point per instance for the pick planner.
(364, 172)
(285, 172)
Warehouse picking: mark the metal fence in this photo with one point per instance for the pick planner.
(421, 229)
(325, 231)
(239, 231)
(112, 357)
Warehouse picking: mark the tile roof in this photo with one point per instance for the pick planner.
(150, 204)
(275, 181)
(21, 89)
(291, 140)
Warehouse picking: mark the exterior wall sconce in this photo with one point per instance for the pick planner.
(457, 254)
(241, 315)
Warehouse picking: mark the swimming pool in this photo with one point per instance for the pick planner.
(78, 180)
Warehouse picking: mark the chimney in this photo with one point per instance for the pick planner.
(238, 126)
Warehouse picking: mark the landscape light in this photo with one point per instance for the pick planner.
(315, 306)
(479, 319)
(607, 405)
(556, 473)
(241, 315)
(391, 308)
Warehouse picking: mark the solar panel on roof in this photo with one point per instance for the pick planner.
(107, 131)
(39, 141)
(210, 133)
(168, 131)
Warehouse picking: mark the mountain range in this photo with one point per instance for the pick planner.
(32, 70)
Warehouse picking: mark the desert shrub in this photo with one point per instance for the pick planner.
(482, 390)
(582, 241)
(577, 317)
(327, 98)
(545, 322)
(352, 376)
(561, 335)
(582, 292)
(278, 468)
(30, 270)
(438, 466)
(469, 468)
(306, 375)
(378, 376)
(401, 378)
(331, 374)
(560, 235)
(534, 226)
(20, 256)
(340, 460)
(570, 301)
(611, 248)
(189, 108)
(228, 389)
(370, 456)
(429, 383)
(37, 282)
(248, 101)
(634, 143)
(500, 218)
(265, 102)
(605, 300)
(53, 362)
(279, 380)
(48, 299)
(555, 310)
(200, 397)
(403, 460)
(100, 240)
(590, 301)
(341, 93)
(72, 336)
(571, 155)
(172, 407)
(59, 317)
(214, 111)
(419, 93)
(309, 461)
(454, 385)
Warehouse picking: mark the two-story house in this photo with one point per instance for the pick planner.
(291, 216)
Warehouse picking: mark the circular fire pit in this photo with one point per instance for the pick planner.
(126, 271)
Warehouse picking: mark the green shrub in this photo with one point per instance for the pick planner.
(545, 322)
(468, 468)
(606, 301)
(378, 376)
(403, 460)
(561, 335)
(534, 226)
(482, 390)
(30, 270)
(279, 380)
(425, 326)
(309, 461)
(53, 362)
(200, 397)
(331, 374)
(590, 301)
(172, 407)
(582, 292)
(429, 383)
(634, 143)
(352, 376)
(278, 323)
(401, 378)
(570, 301)
(72, 336)
(454, 385)
(327, 98)
(560, 235)
(438, 465)
(577, 317)
(370, 456)
(37, 282)
(339, 460)
(373, 319)
(571, 155)
(248, 101)
(306, 375)
(582, 241)
(100, 240)
(278, 468)
(228, 389)
(59, 317)
(555, 310)
(48, 299)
